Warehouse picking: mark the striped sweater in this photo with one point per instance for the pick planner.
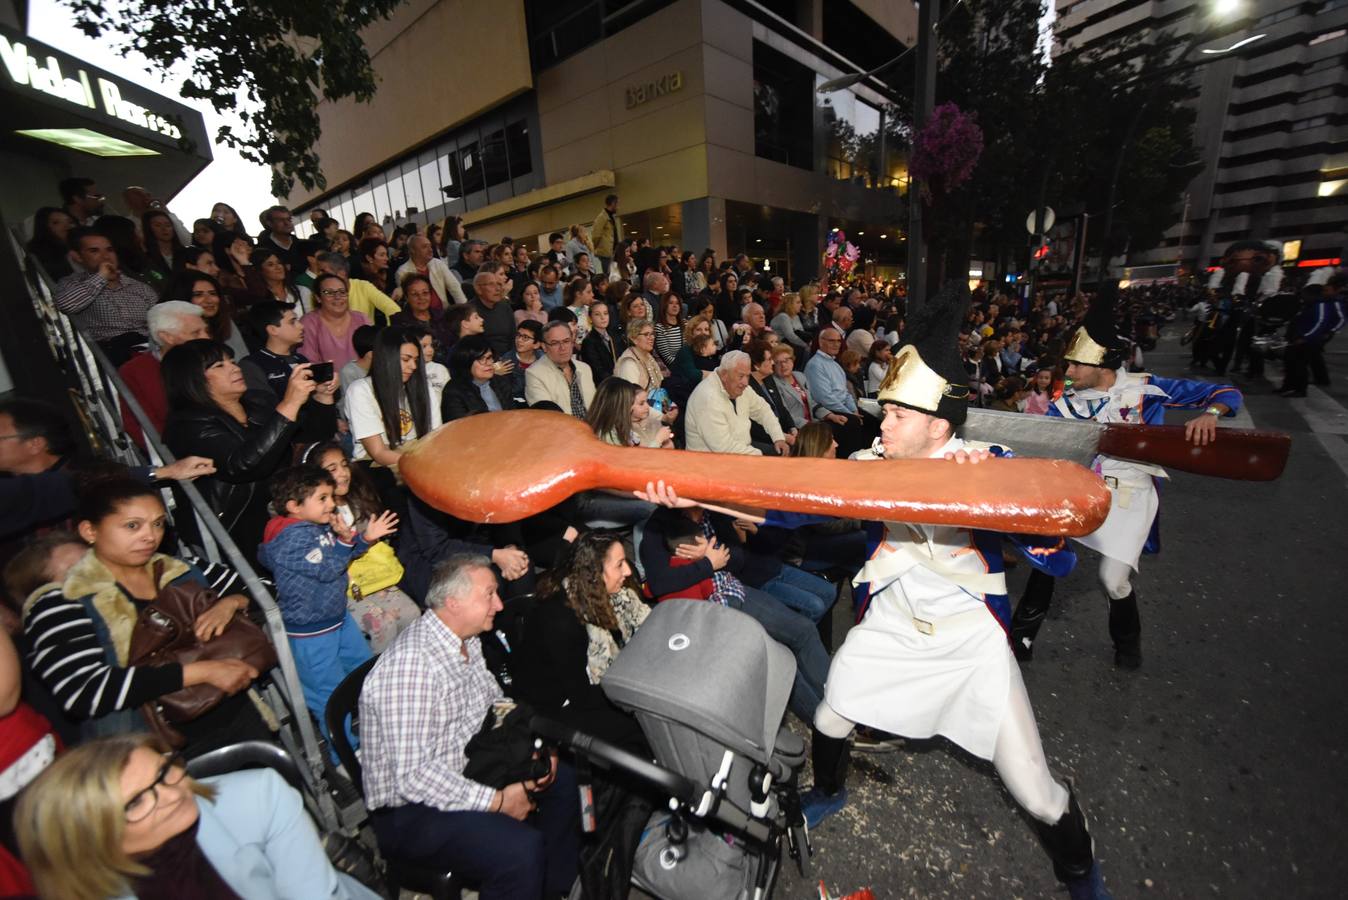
(69, 659)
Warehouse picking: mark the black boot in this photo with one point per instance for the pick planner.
(1069, 845)
(1030, 613)
(830, 757)
(1125, 627)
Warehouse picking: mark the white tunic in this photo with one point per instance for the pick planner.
(1132, 491)
(890, 673)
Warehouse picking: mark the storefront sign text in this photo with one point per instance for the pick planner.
(638, 94)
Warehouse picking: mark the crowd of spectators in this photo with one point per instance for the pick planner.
(289, 376)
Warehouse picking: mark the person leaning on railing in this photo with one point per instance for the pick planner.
(247, 434)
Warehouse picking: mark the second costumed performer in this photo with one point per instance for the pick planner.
(930, 655)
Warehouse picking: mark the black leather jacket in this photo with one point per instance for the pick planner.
(462, 398)
(245, 456)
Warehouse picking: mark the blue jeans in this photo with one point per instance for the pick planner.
(797, 634)
(323, 661)
(506, 858)
(807, 594)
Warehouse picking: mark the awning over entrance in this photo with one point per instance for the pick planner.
(68, 113)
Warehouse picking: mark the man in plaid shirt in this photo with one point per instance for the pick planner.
(421, 704)
(104, 302)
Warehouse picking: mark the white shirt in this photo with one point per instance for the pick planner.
(717, 424)
(366, 420)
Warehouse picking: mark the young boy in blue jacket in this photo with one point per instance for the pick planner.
(308, 549)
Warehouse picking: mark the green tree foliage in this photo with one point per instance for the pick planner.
(1052, 132)
(267, 63)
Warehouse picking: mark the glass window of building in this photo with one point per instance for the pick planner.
(495, 165)
(783, 108)
(397, 199)
(470, 168)
(429, 176)
(517, 145)
(412, 189)
(451, 184)
(851, 130)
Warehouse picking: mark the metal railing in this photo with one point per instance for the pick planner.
(96, 392)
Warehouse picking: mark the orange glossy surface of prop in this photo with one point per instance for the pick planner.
(1239, 453)
(502, 467)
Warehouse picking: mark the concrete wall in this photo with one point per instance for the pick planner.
(438, 63)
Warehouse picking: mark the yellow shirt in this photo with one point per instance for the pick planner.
(365, 298)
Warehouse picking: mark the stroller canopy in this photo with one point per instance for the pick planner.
(709, 667)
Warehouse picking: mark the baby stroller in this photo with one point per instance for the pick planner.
(709, 688)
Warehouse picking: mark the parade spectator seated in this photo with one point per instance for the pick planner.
(163, 249)
(787, 323)
(473, 385)
(79, 634)
(721, 412)
(622, 417)
(603, 346)
(461, 322)
(557, 378)
(761, 380)
(549, 287)
(687, 367)
(578, 295)
(423, 701)
(362, 341)
(669, 327)
(328, 329)
(269, 368)
(363, 298)
(268, 278)
(374, 599)
(877, 365)
(120, 817)
(233, 255)
(531, 304)
(862, 334)
(249, 435)
(280, 236)
(527, 351)
(308, 551)
(50, 241)
(169, 324)
(106, 304)
(374, 257)
(586, 613)
(498, 319)
(437, 375)
(205, 291)
(1040, 393)
(638, 363)
(832, 397)
(421, 310)
(719, 554)
(471, 255)
(421, 260)
(394, 405)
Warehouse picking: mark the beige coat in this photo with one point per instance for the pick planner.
(544, 382)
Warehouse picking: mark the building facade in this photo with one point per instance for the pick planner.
(1272, 122)
(702, 115)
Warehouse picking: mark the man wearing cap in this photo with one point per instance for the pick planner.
(1102, 388)
(930, 653)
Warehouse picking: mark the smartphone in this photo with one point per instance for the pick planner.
(321, 372)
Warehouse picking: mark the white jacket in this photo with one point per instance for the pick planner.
(443, 281)
(714, 423)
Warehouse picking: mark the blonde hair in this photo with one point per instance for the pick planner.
(70, 821)
(808, 292)
(691, 325)
(788, 300)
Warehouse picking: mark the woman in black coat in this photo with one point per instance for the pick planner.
(471, 369)
(247, 434)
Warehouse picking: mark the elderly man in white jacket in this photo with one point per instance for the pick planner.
(722, 410)
(422, 260)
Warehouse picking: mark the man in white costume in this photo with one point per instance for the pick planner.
(930, 655)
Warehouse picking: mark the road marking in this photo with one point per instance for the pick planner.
(1322, 413)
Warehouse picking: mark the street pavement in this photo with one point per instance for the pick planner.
(1214, 771)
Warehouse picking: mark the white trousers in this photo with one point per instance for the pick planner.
(1115, 578)
(1018, 756)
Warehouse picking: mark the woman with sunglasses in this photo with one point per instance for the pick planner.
(120, 817)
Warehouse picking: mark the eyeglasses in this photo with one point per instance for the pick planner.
(95, 197)
(564, 342)
(143, 803)
(328, 294)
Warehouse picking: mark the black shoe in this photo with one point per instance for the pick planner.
(1125, 627)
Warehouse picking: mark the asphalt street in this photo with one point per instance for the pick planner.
(1215, 770)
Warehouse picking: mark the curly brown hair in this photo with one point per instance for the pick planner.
(579, 578)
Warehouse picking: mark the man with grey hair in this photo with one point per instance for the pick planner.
(168, 324)
(362, 296)
(445, 287)
(756, 319)
(655, 284)
(721, 412)
(470, 257)
(423, 701)
(489, 288)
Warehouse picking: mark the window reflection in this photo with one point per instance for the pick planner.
(470, 168)
(494, 164)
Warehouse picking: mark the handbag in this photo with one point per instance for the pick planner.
(164, 635)
(373, 571)
(502, 752)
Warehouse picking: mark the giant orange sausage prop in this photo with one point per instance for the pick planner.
(505, 466)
